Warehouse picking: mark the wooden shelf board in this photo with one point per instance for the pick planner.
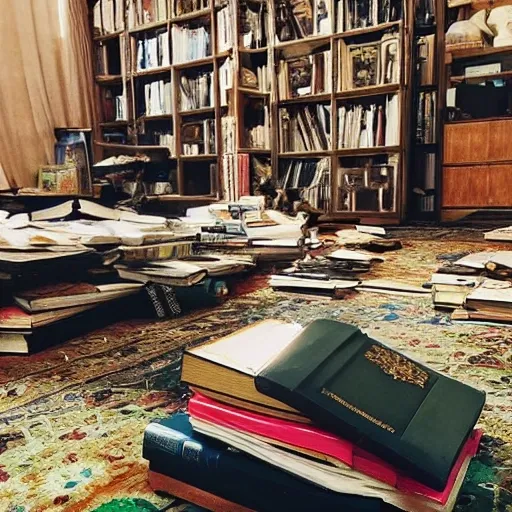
(106, 37)
(482, 120)
(302, 46)
(311, 98)
(108, 79)
(130, 147)
(198, 158)
(149, 26)
(253, 92)
(462, 78)
(195, 63)
(305, 154)
(374, 90)
(380, 150)
(176, 197)
(478, 52)
(197, 111)
(264, 49)
(361, 31)
(152, 71)
(161, 117)
(112, 124)
(259, 151)
(224, 54)
(191, 15)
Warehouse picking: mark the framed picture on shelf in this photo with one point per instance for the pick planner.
(363, 65)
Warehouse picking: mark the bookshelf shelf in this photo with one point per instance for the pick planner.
(375, 90)
(253, 92)
(130, 147)
(253, 50)
(197, 111)
(305, 154)
(152, 71)
(315, 98)
(471, 53)
(191, 16)
(161, 117)
(197, 158)
(106, 37)
(380, 150)
(481, 120)
(255, 151)
(304, 44)
(108, 79)
(363, 31)
(112, 124)
(479, 78)
(148, 27)
(195, 63)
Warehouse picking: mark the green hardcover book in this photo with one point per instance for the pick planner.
(392, 406)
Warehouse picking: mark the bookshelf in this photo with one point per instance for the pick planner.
(344, 161)
(477, 91)
(307, 94)
(426, 118)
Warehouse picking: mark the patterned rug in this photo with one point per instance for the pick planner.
(72, 417)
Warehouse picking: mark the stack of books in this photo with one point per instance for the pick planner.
(482, 298)
(321, 417)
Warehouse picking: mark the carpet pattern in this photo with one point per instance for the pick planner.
(72, 417)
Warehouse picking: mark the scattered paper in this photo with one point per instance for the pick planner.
(372, 230)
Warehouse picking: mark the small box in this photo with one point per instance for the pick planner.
(58, 179)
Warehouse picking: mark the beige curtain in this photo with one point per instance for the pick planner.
(46, 82)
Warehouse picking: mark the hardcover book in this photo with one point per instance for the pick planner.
(391, 406)
(368, 470)
(175, 450)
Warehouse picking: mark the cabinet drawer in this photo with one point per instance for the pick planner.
(477, 186)
(478, 141)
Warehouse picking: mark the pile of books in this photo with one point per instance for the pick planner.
(320, 417)
(476, 288)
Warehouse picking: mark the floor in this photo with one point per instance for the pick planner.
(72, 417)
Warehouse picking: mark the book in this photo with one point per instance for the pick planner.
(162, 483)
(323, 446)
(309, 466)
(16, 319)
(499, 235)
(391, 287)
(94, 210)
(171, 273)
(374, 396)
(290, 281)
(67, 295)
(175, 450)
(49, 259)
(229, 365)
(490, 299)
(449, 296)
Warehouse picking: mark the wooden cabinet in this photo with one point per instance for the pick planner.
(481, 186)
(478, 141)
(477, 169)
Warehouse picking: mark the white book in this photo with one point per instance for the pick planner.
(98, 26)
(164, 42)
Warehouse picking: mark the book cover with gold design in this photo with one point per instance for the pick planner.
(370, 394)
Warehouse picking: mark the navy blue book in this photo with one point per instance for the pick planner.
(175, 450)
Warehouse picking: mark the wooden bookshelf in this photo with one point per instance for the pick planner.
(246, 103)
(476, 162)
(425, 141)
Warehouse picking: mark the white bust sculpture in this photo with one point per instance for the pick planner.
(500, 22)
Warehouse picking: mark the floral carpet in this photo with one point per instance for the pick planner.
(73, 416)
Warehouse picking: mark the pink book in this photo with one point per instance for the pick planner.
(312, 438)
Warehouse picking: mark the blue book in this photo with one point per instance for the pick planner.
(175, 450)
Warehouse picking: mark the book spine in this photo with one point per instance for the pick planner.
(209, 466)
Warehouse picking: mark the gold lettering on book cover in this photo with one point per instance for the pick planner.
(397, 366)
(358, 411)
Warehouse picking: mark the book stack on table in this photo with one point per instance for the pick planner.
(320, 417)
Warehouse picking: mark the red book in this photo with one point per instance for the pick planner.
(310, 438)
